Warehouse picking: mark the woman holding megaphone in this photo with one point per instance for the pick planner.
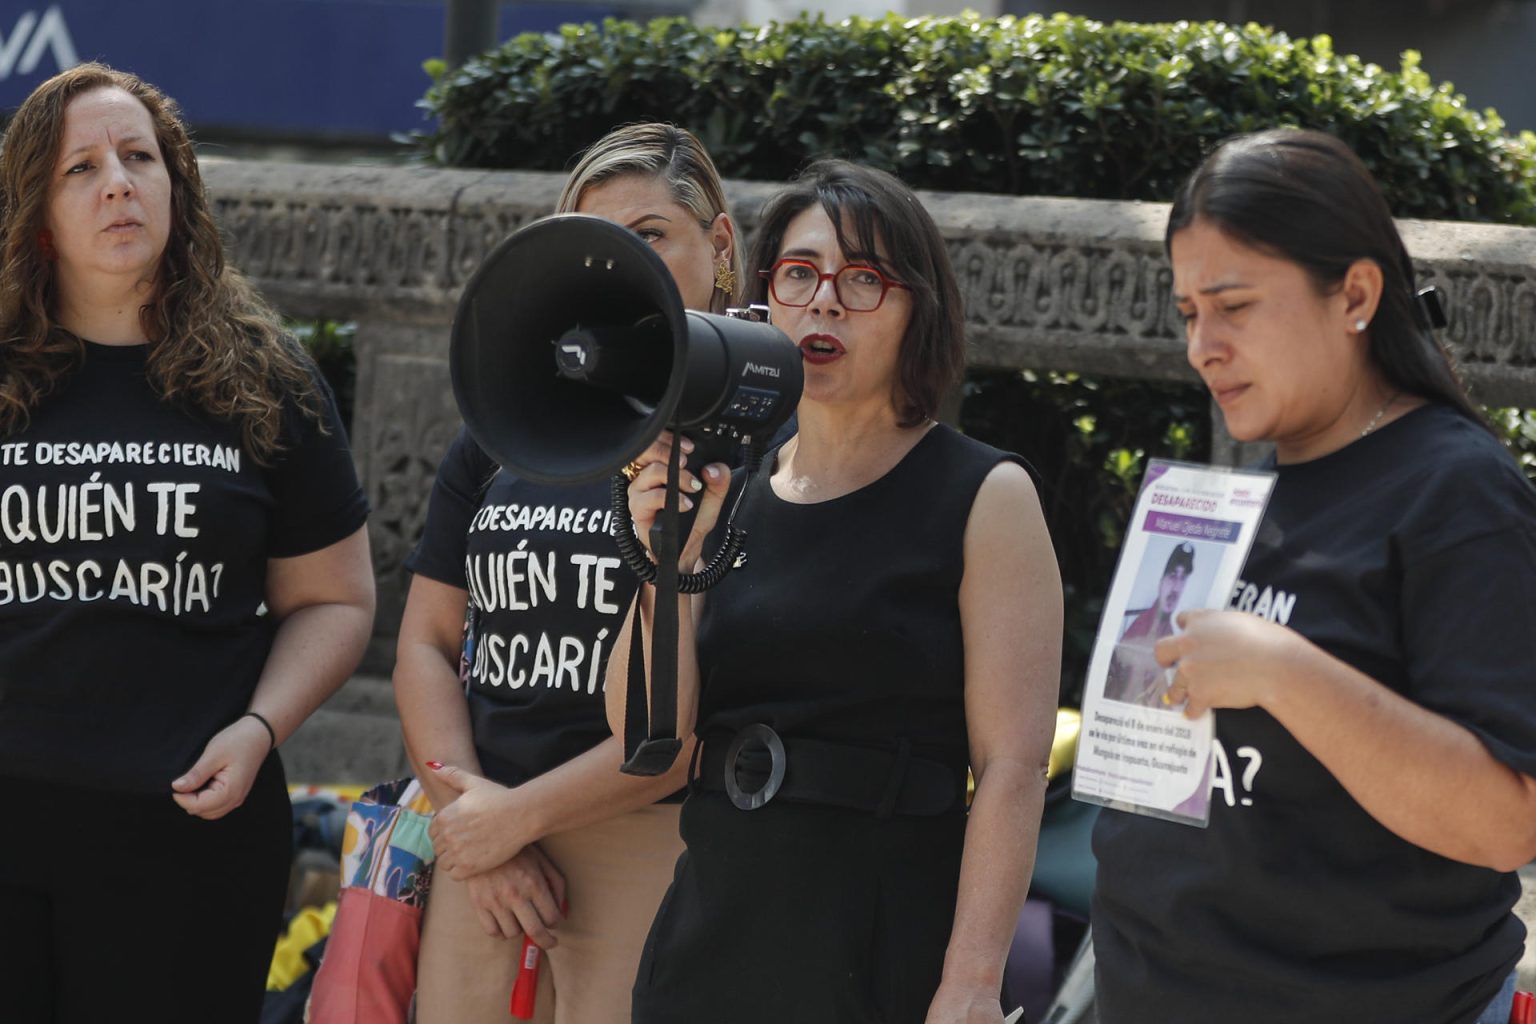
(896, 619)
(515, 602)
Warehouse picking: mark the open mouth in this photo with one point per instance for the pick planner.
(820, 348)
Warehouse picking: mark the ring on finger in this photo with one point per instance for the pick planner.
(632, 470)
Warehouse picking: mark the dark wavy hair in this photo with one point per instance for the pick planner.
(879, 208)
(1305, 197)
(214, 344)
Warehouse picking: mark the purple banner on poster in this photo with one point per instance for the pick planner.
(1173, 525)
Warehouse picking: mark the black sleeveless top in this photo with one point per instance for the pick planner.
(843, 622)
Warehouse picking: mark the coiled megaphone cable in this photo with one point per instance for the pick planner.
(634, 554)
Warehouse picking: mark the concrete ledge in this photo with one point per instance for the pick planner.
(1038, 274)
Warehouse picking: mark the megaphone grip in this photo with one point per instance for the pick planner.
(640, 563)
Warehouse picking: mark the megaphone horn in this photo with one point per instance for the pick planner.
(571, 352)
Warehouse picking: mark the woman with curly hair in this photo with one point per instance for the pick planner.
(184, 572)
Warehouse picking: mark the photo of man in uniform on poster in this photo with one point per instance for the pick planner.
(1134, 674)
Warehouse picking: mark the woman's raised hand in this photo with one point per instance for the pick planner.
(647, 495)
(1227, 659)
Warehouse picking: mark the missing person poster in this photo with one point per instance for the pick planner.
(1184, 548)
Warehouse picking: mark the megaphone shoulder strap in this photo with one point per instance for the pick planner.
(651, 742)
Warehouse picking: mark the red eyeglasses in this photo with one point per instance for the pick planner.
(859, 288)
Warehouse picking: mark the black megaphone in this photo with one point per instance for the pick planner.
(571, 351)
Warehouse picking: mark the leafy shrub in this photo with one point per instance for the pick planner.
(330, 344)
(1032, 105)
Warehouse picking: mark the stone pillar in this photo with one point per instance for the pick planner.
(405, 417)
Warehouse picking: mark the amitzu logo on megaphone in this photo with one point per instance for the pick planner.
(571, 352)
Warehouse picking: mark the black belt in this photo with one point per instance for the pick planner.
(756, 765)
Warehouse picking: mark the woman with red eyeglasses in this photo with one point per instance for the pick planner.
(896, 620)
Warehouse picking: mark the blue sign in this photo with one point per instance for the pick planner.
(344, 69)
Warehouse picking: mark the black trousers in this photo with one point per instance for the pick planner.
(119, 907)
(800, 913)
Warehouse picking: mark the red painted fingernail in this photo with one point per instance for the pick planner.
(435, 765)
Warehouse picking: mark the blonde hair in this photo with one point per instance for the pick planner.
(662, 151)
(214, 344)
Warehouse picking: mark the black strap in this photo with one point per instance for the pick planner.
(651, 743)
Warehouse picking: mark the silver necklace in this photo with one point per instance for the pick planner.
(1380, 413)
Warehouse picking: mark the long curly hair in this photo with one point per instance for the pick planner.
(214, 344)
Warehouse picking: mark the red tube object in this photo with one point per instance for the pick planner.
(526, 989)
(1523, 1010)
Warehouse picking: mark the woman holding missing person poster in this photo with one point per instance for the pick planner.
(518, 757)
(184, 574)
(1378, 724)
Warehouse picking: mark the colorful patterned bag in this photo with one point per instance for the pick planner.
(368, 975)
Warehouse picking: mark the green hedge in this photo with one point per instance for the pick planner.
(1033, 105)
(330, 344)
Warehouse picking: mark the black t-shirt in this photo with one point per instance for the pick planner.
(134, 539)
(1411, 555)
(548, 592)
(843, 621)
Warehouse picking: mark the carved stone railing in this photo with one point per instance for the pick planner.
(1064, 284)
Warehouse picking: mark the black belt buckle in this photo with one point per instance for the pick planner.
(763, 736)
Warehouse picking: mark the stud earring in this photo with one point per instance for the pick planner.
(725, 277)
(1360, 326)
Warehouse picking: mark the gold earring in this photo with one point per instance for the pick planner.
(725, 277)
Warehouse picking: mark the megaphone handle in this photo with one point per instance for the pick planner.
(665, 542)
(651, 742)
